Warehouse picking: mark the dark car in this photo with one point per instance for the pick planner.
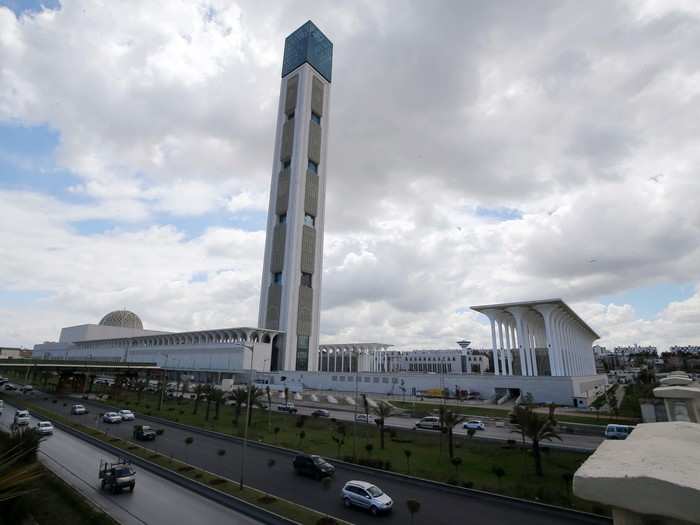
(313, 466)
(144, 433)
(10, 387)
(321, 413)
(290, 409)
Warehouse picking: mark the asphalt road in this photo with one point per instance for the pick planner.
(439, 507)
(492, 432)
(155, 501)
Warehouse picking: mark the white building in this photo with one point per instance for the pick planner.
(120, 337)
(537, 338)
(291, 279)
(628, 351)
(378, 357)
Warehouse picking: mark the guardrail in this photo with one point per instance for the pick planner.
(577, 515)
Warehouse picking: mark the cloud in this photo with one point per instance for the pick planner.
(476, 154)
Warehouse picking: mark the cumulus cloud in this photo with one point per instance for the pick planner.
(477, 153)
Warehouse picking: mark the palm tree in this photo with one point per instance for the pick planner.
(449, 420)
(217, 396)
(199, 391)
(18, 465)
(383, 411)
(536, 427)
(209, 391)
(499, 473)
(456, 462)
(256, 394)
(407, 453)
(269, 407)
(338, 437)
(239, 396)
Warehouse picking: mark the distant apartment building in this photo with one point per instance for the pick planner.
(689, 349)
(635, 350)
(13, 353)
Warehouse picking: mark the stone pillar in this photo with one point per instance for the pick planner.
(494, 347)
(518, 313)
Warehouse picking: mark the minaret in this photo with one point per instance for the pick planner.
(291, 281)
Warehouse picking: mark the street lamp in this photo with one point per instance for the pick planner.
(247, 414)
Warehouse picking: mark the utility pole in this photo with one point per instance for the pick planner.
(247, 413)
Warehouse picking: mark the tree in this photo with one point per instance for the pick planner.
(276, 431)
(239, 396)
(338, 436)
(286, 396)
(471, 432)
(256, 395)
(209, 391)
(598, 403)
(199, 391)
(217, 396)
(302, 435)
(413, 507)
(188, 442)
(611, 399)
(449, 420)
(18, 465)
(383, 411)
(369, 447)
(499, 472)
(456, 462)
(536, 427)
(407, 453)
(268, 393)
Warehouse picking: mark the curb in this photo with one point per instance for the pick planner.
(581, 516)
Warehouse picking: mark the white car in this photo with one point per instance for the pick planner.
(367, 496)
(127, 415)
(363, 418)
(474, 424)
(26, 389)
(78, 410)
(22, 417)
(45, 428)
(112, 417)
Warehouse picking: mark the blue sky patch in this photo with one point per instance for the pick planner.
(499, 214)
(19, 7)
(649, 301)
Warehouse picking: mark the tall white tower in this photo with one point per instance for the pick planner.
(291, 279)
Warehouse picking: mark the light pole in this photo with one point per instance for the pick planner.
(247, 413)
(354, 420)
(162, 385)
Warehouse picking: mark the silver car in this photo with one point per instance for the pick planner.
(367, 496)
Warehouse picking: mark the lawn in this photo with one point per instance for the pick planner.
(479, 461)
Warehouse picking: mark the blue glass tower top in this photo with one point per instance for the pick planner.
(308, 44)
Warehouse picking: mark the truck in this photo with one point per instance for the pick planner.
(116, 476)
(144, 433)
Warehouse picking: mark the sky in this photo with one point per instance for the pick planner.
(479, 152)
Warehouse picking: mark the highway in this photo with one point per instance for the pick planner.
(439, 507)
(155, 501)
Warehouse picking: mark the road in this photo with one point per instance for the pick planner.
(155, 501)
(441, 507)
(577, 442)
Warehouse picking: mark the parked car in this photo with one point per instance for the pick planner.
(22, 417)
(364, 418)
(3, 380)
(474, 424)
(45, 428)
(312, 466)
(618, 431)
(10, 387)
(429, 423)
(291, 409)
(2, 406)
(111, 417)
(26, 389)
(144, 433)
(321, 413)
(127, 415)
(78, 410)
(367, 496)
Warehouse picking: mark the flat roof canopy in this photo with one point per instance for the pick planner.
(530, 304)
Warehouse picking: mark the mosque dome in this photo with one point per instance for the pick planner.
(123, 319)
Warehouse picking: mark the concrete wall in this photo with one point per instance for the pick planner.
(86, 332)
(556, 389)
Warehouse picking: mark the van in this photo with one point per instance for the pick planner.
(618, 431)
(429, 423)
